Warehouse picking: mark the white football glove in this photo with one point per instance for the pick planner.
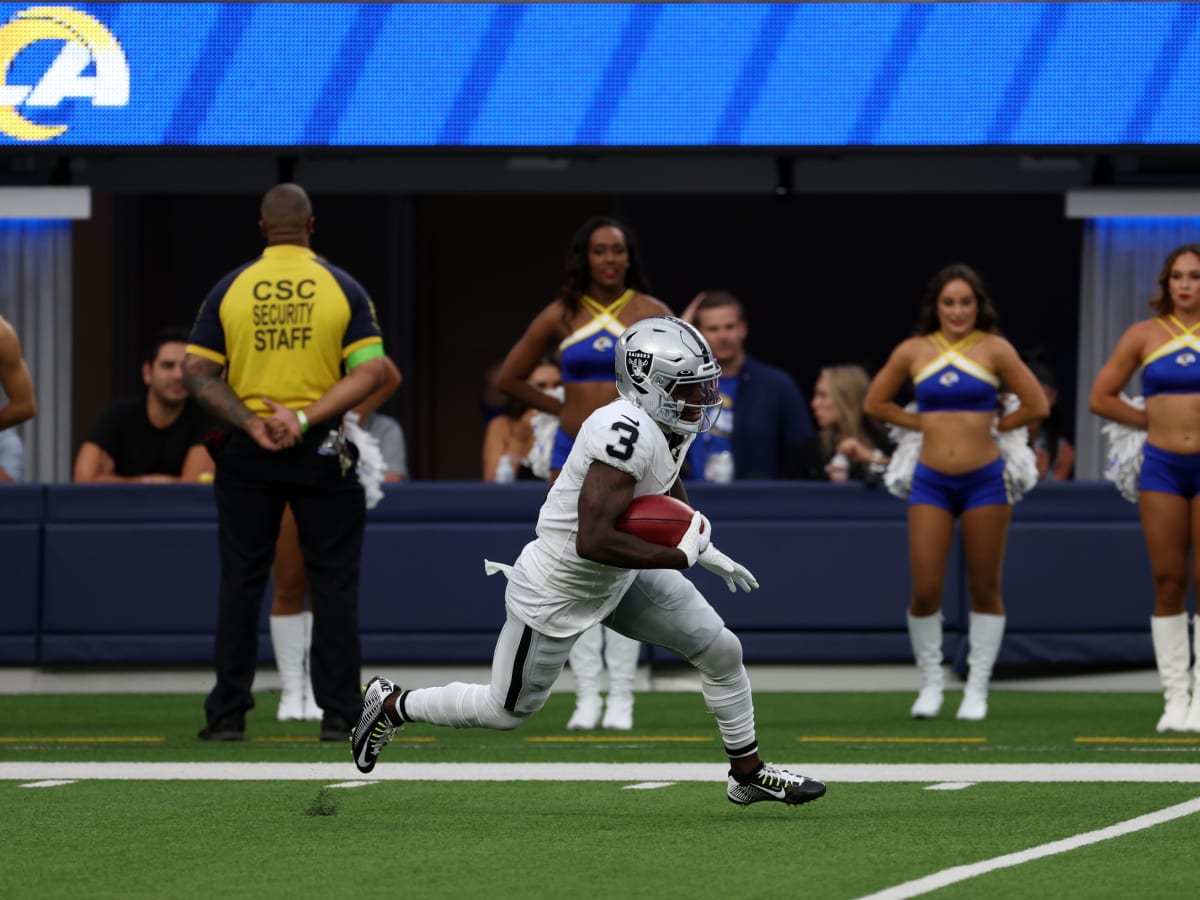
(735, 574)
(695, 539)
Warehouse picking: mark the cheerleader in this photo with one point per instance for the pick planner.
(604, 291)
(957, 363)
(1167, 350)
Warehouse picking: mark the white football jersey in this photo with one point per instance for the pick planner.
(552, 588)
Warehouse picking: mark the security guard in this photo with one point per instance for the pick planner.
(267, 355)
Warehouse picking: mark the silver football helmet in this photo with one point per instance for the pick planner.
(666, 367)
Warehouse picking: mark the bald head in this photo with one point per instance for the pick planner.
(286, 214)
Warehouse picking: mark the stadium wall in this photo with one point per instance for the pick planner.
(112, 574)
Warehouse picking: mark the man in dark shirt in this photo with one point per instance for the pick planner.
(764, 417)
(157, 439)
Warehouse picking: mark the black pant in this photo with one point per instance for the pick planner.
(252, 485)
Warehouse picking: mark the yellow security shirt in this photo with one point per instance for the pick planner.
(284, 325)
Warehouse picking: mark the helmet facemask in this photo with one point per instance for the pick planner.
(693, 403)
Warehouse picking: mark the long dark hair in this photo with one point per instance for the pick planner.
(578, 273)
(986, 318)
(1162, 302)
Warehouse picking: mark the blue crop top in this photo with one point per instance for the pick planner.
(1173, 367)
(954, 383)
(589, 353)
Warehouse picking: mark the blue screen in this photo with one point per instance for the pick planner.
(600, 75)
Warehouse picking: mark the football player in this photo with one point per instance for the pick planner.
(580, 570)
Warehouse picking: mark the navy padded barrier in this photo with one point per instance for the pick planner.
(428, 577)
(22, 509)
(128, 574)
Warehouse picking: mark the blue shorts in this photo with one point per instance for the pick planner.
(1170, 473)
(957, 493)
(563, 443)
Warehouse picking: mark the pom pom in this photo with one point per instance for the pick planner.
(371, 467)
(1123, 462)
(897, 477)
(545, 426)
(1020, 462)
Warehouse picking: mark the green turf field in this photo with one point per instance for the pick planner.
(1068, 772)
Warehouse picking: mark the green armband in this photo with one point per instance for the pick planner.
(303, 417)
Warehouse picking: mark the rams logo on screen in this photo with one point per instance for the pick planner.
(84, 41)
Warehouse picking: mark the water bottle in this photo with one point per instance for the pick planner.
(838, 468)
(718, 467)
(505, 470)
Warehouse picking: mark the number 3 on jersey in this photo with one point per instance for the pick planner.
(623, 449)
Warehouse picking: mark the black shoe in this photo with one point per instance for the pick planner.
(374, 729)
(335, 728)
(773, 782)
(231, 727)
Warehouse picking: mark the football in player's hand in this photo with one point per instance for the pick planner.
(656, 519)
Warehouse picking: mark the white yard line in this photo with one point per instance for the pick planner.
(946, 877)
(834, 774)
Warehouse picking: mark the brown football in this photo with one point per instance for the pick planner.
(656, 519)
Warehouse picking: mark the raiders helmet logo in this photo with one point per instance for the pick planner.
(637, 364)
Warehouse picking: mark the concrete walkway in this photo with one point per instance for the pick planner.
(823, 678)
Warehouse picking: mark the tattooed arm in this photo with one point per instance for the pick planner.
(204, 382)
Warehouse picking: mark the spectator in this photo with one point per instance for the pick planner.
(848, 445)
(957, 363)
(17, 402)
(1165, 348)
(155, 439)
(1054, 453)
(764, 419)
(286, 326)
(291, 622)
(604, 291)
(580, 571)
(509, 438)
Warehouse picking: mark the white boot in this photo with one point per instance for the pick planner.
(1193, 717)
(1170, 634)
(925, 634)
(621, 657)
(984, 635)
(287, 637)
(587, 664)
(312, 712)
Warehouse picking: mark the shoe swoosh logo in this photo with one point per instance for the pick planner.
(362, 755)
(777, 793)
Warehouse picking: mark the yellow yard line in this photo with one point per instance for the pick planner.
(628, 739)
(312, 740)
(81, 740)
(831, 739)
